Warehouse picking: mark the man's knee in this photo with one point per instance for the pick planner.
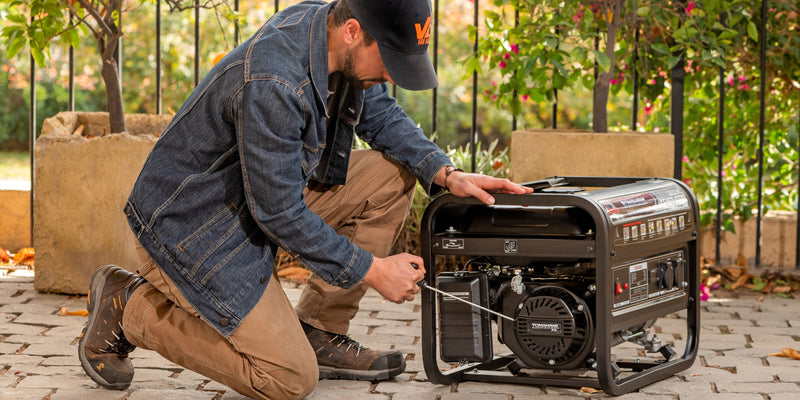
(288, 383)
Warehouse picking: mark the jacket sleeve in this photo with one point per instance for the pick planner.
(278, 143)
(386, 127)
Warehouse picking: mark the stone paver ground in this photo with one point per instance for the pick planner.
(38, 355)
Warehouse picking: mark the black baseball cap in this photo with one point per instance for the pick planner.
(402, 29)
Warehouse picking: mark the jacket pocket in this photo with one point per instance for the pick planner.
(311, 155)
(219, 218)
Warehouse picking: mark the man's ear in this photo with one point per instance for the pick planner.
(352, 31)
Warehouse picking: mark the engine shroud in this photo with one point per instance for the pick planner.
(553, 327)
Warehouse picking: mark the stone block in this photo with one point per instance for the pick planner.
(82, 183)
(538, 154)
(15, 207)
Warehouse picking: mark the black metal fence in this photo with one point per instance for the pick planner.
(676, 108)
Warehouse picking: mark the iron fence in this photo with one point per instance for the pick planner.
(676, 108)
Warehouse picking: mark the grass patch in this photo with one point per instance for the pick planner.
(15, 165)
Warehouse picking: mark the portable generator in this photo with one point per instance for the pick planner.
(557, 279)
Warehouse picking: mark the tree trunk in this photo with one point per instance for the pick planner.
(603, 83)
(107, 40)
(116, 111)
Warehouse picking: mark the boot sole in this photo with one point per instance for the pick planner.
(360, 374)
(95, 289)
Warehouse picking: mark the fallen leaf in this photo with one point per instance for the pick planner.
(4, 256)
(741, 281)
(782, 289)
(734, 272)
(741, 260)
(714, 280)
(696, 374)
(787, 352)
(295, 273)
(761, 299)
(24, 255)
(590, 390)
(64, 311)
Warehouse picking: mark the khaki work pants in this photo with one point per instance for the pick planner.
(268, 356)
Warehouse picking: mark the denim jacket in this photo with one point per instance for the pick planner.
(223, 186)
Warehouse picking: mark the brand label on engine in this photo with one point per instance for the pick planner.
(542, 326)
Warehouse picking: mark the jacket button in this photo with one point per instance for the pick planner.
(264, 279)
(223, 321)
(345, 281)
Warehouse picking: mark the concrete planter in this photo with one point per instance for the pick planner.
(537, 154)
(82, 179)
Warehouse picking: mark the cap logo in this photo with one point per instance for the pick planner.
(424, 32)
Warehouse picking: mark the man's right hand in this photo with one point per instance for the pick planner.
(395, 278)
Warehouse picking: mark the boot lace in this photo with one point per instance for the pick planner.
(350, 342)
(119, 344)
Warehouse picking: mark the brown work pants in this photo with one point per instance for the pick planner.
(268, 356)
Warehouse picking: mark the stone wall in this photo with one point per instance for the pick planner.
(778, 241)
(82, 179)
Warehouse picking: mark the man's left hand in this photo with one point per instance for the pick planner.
(464, 184)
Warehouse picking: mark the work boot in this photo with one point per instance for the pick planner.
(103, 349)
(340, 357)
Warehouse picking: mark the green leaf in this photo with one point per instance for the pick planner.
(602, 60)
(18, 19)
(643, 11)
(551, 41)
(579, 54)
(661, 48)
(16, 45)
(673, 61)
(728, 34)
(38, 56)
(752, 31)
(72, 37)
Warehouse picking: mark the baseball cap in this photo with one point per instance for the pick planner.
(402, 29)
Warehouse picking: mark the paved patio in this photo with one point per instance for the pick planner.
(38, 355)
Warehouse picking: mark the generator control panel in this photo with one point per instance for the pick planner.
(649, 280)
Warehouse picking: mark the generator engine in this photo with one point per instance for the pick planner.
(560, 277)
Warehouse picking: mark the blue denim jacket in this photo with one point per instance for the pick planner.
(223, 186)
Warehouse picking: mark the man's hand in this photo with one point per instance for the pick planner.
(464, 184)
(395, 278)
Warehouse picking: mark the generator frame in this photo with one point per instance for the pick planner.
(604, 253)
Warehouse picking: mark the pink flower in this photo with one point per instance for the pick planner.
(525, 98)
(502, 64)
(507, 56)
(578, 16)
(690, 7)
(494, 83)
(705, 292)
(730, 80)
(494, 97)
(745, 87)
(613, 81)
(515, 49)
(652, 81)
(685, 159)
(648, 107)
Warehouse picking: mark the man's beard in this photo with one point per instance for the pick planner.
(349, 73)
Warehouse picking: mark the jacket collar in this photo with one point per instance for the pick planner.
(318, 53)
